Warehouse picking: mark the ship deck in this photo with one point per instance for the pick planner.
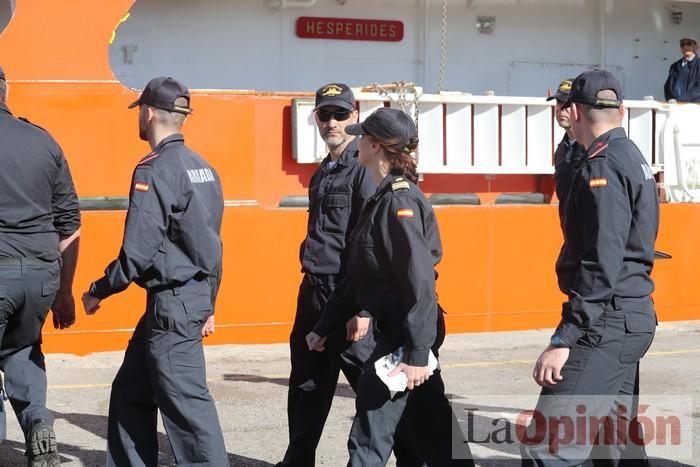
(249, 383)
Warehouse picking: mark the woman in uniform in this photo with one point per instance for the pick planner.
(392, 254)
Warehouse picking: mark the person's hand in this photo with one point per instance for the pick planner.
(90, 303)
(416, 375)
(315, 342)
(63, 310)
(208, 328)
(547, 370)
(357, 328)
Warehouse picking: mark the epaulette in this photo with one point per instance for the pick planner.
(149, 157)
(26, 120)
(598, 151)
(400, 184)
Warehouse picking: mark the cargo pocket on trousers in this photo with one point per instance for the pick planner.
(198, 309)
(48, 294)
(639, 332)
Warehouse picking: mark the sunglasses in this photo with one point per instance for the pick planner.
(687, 43)
(338, 115)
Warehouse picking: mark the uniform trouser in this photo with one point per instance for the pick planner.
(425, 412)
(164, 369)
(601, 378)
(314, 377)
(27, 290)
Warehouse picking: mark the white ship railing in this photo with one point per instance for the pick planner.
(467, 134)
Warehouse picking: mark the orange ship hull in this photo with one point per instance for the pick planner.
(498, 268)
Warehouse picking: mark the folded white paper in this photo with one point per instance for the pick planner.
(397, 383)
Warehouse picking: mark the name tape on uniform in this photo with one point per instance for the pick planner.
(200, 175)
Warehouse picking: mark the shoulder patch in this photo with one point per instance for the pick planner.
(150, 156)
(404, 212)
(598, 182)
(598, 150)
(400, 184)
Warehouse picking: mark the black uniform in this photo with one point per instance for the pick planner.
(567, 160)
(337, 193)
(38, 205)
(610, 224)
(391, 258)
(683, 82)
(172, 248)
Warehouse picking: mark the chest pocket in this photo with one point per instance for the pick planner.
(336, 212)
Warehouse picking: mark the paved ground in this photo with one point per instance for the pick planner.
(249, 384)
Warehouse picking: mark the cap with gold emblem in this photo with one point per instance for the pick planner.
(562, 94)
(336, 94)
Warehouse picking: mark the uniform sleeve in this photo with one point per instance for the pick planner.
(341, 306)
(215, 282)
(144, 231)
(604, 216)
(668, 86)
(364, 187)
(693, 94)
(412, 267)
(64, 201)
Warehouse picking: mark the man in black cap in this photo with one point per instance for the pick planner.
(569, 153)
(591, 367)
(172, 248)
(337, 192)
(683, 82)
(40, 229)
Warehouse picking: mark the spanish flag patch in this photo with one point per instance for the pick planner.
(141, 186)
(596, 182)
(404, 212)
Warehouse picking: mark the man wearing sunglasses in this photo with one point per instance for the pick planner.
(683, 82)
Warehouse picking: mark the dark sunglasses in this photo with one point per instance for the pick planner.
(338, 115)
(685, 43)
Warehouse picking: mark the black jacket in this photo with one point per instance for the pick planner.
(172, 230)
(336, 197)
(567, 160)
(691, 93)
(38, 203)
(392, 255)
(611, 219)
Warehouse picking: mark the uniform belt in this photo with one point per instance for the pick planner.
(31, 260)
(177, 287)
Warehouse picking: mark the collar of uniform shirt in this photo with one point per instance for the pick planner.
(5, 108)
(615, 133)
(348, 152)
(385, 185)
(176, 137)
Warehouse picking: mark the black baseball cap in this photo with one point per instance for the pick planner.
(162, 92)
(2, 74)
(587, 85)
(337, 94)
(562, 94)
(386, 123)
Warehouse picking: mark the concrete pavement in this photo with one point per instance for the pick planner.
(249, 384)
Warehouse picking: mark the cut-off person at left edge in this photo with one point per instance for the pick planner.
(39, 234)
(392, 254)
(172, 248)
